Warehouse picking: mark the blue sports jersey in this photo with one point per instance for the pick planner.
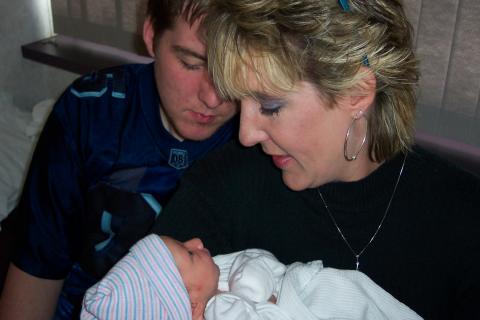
(102, 170)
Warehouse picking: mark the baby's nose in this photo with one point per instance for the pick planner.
(194, 243)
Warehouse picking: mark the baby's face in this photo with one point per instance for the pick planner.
(199, 272)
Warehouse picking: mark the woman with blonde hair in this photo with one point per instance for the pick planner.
(327, 90)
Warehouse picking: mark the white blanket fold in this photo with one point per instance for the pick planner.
(305, 291)
(310, 291)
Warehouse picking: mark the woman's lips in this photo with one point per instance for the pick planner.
(281, 161)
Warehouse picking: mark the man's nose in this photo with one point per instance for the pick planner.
(208, 94)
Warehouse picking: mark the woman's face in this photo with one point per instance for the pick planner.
(301, 132)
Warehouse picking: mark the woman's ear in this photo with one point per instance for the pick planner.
(149, 36)
(363, 93)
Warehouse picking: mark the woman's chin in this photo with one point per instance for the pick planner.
(294, 182)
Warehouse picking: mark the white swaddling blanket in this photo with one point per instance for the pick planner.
(247, 280)
(305, 291)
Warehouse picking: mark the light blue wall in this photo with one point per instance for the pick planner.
(26, 81)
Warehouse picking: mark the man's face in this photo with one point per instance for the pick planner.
(189, 101)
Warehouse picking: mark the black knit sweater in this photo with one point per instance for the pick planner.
(426, 253)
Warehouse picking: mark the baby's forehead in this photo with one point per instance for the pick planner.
(166, 239)
(178, 252)
(172, 245)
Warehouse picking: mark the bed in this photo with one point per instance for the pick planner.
(19, 131)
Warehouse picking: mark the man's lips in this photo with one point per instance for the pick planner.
(281, 161)
(201, 117)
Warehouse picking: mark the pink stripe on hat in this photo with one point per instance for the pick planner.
(145, 284)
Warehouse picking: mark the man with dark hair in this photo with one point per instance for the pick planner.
(108, 160)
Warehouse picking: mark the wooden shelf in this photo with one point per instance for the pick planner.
(78, 56)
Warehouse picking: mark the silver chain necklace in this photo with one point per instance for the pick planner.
(355, 254)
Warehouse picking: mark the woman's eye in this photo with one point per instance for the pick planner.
(269, 112)
(270, 107)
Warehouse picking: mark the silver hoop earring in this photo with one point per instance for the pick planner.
(347, 136)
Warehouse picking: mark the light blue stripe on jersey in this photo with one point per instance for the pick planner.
(88, 94)
(106, 226)
(153, 203)
(119, 95)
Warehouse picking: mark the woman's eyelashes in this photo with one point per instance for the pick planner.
(270, 106)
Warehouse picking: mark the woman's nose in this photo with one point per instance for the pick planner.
(250, 132)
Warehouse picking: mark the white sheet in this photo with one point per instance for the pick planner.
(18, 133)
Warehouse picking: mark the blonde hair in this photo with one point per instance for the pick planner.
(281, 42)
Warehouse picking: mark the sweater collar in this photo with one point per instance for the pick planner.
(366, 194)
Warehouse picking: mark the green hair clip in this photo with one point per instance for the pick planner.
(344, 4)
(346, 7)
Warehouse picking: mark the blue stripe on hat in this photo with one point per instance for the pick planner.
(158, 263)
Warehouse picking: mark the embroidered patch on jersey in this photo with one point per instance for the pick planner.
(178, 159)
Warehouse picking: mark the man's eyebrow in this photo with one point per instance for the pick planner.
(188, 52)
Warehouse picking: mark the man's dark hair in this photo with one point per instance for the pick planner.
(162, 13)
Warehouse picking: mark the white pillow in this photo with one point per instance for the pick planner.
(19, 131)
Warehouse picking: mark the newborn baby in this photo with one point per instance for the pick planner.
(162, 278)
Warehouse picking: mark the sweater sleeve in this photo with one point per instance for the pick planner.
(193, 212)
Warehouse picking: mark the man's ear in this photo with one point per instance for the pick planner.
(198, 308)
(149, 36)
(363, 93)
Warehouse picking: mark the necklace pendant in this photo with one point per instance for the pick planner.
(357, 256)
